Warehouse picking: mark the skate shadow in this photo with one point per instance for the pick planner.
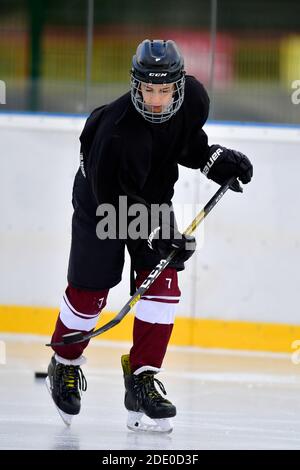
(148, 440)
(66, 439)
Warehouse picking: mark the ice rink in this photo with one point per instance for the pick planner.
(225, 400)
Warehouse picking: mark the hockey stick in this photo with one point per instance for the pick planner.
(79, 337)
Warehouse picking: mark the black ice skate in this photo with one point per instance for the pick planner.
(65, 382)
(141, 397)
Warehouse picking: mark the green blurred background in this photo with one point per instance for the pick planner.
(70, 56)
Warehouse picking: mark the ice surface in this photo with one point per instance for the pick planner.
(224, 401)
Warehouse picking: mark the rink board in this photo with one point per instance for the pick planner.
(240, 289)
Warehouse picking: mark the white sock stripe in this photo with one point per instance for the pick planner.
(79, 314)
(147, 368)
(76, 321)
(156, 312)
(70, 305)
(161, 300)
(164, 297)
(79, 361)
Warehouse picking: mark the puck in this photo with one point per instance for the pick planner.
(40, 375)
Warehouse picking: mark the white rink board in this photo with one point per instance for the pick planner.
(248, 264)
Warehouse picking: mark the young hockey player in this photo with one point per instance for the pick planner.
(132, 147)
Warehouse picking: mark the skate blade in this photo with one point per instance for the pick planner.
(67, 419)
(135, 423)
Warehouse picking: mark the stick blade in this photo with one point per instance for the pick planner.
(70, 338)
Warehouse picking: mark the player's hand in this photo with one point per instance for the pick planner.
(165, 239)
(223, 163)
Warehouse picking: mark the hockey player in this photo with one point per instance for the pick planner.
(132, 147)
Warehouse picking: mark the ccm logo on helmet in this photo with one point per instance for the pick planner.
(152, 74)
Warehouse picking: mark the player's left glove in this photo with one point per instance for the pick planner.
(223, 163)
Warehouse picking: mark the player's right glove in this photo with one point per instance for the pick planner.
(165, 239)
(223, 163)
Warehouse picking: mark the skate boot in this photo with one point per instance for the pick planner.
(65, 382)
(142, 398)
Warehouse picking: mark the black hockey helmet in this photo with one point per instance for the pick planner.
(157, 62)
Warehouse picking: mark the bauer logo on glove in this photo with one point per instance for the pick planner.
(224, 163)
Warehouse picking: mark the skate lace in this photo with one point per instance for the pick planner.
(73, 379)
(146, 387)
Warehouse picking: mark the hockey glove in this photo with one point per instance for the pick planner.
(224, 163)
(165, 239)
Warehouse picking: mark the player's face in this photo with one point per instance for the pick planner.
(157, 97)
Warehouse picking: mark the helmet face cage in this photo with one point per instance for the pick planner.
(165, 114)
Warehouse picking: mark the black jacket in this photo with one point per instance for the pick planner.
(123, 154)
